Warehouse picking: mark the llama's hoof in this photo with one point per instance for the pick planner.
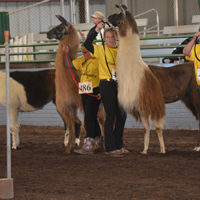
(197, 148)
(67, 151)
(77, 141)
(162, 152)
(144, 152)
(15, 147)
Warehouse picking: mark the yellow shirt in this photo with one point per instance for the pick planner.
(194, 59)
(89, 70)
(111, 54)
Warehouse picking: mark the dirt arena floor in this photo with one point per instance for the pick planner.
(42, 171)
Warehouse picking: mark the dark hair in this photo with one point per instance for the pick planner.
(110, 29)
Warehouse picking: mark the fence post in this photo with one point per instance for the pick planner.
(6, 184)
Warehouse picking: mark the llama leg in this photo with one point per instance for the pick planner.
(66, 136)
(159, 127)
(70, 137)
(14, 128)
(68, 115)
(146, 123)
(66, 132)
(161, 141)
(101, 116)
(77, 131)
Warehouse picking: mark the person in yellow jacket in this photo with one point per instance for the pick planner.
(89, 90)
(115, 116)
(192, 53)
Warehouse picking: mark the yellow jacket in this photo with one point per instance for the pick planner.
(88, 69)
(111, 54)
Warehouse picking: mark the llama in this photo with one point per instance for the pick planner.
(67, 98)
(139, 91)
(29, 91)
(179, 83)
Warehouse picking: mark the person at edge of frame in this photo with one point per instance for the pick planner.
(192, 53)
(115, 116)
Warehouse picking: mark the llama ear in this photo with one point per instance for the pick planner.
(124, 7)
(62, 19)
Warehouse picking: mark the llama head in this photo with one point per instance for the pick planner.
(61, 30)
(123, 20)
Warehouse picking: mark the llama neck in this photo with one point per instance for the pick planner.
(130, 69)
(132, 42)
(59, 64)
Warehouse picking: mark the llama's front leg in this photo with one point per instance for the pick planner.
(15, 136)
(146, 125)
(146, 141)
(77, 133)
(66, 137)
(161, 141)
(14, 128)
(70, 138)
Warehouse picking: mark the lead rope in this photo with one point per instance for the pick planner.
(72, 75)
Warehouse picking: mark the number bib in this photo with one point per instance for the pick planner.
(198, 74)
(85, 87)
(114, 74)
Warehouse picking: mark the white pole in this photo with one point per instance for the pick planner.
(87, 14)
(6, 184)
(62, 10)
(72, 11)
(8, 106)
(176, 20)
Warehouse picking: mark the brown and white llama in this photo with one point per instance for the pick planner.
(29, 91)
(68, 99)
(139, 91)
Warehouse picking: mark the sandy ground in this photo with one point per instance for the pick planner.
(42, 171)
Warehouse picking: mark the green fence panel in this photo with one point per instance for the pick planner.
(4, 25)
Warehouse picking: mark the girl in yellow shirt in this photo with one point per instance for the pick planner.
(192, 53)
(89, 83)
